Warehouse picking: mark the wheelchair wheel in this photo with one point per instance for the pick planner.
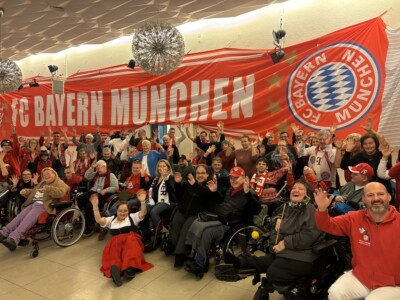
(68, 226)
(34, 253)
(14, 208)
(246, 240)
(110, 202)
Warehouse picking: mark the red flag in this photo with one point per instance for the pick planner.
(335, 79)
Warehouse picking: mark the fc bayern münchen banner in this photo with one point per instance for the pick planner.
(335, 79)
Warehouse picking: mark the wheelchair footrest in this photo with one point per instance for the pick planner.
(227, 272)
(23, 243)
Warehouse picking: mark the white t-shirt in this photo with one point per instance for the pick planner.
(113, 224)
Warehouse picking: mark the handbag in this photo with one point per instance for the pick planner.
(206, 216)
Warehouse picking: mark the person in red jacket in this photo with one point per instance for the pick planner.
(374, 243)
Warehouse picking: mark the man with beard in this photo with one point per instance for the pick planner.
(375, 247)
(184, 167)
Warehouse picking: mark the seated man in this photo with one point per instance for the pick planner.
(350, 194)
(239, 206)
(375, 246)
(104, 183)
(294, 235)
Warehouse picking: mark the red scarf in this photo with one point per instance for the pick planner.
(259, 185)
(235, 192)
(106, 179)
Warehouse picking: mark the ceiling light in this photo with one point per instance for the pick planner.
(278, 35)
(53, 69)
(10, 73)
(131, 64)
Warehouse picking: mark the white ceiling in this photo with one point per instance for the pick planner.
(38, 26)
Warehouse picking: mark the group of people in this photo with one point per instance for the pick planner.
(154, 180)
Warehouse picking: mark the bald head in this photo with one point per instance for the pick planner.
(377, 200)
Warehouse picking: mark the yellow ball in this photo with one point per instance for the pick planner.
(255, 235)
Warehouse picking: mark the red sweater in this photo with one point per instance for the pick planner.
(375, 248)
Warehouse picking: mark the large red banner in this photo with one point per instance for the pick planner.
(335, 79)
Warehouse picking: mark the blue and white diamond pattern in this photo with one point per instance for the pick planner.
(331, 87)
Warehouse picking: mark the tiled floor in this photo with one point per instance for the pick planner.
(73, 273)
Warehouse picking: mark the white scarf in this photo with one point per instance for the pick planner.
(163, 196)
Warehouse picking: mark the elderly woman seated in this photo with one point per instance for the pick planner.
(38, 200)
(123, 254)
(291, 255)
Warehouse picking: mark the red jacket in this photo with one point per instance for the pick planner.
(375, 248)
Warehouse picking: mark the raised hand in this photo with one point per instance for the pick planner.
(35, 178)
(14, 180)
(170, 151)
(368, 126)
(350, 145)
(333, 128)
(322, 200)
(178, 177)
(386, 151)
(191, 179)
(246, 185)
(212, 185)
(64, 130)
(295, 128)
(94, 199)
(211, 149)
(143, 172)
(141, 195)
(198, 129)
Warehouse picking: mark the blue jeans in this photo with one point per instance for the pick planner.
(157, 209)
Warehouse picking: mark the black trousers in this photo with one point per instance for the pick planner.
(277, 268)
(87, 208)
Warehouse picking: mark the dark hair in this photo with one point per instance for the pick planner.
(372, 136)
(245, 136)
(308, 186)
(204, 166)
(217, 159)
(123, 203)
(261, 159)
(204, 132)
(27, 170)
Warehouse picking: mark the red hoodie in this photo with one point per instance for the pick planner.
(375, 248)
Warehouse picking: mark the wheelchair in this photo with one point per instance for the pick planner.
(327, 268)
(65, 228)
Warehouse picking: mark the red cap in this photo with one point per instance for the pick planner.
(236, 172)
(364, 169)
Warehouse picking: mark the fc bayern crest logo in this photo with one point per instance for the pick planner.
(337, 84)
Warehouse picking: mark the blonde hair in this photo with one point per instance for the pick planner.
(168, 166)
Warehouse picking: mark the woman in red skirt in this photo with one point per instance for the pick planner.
(123, 254)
